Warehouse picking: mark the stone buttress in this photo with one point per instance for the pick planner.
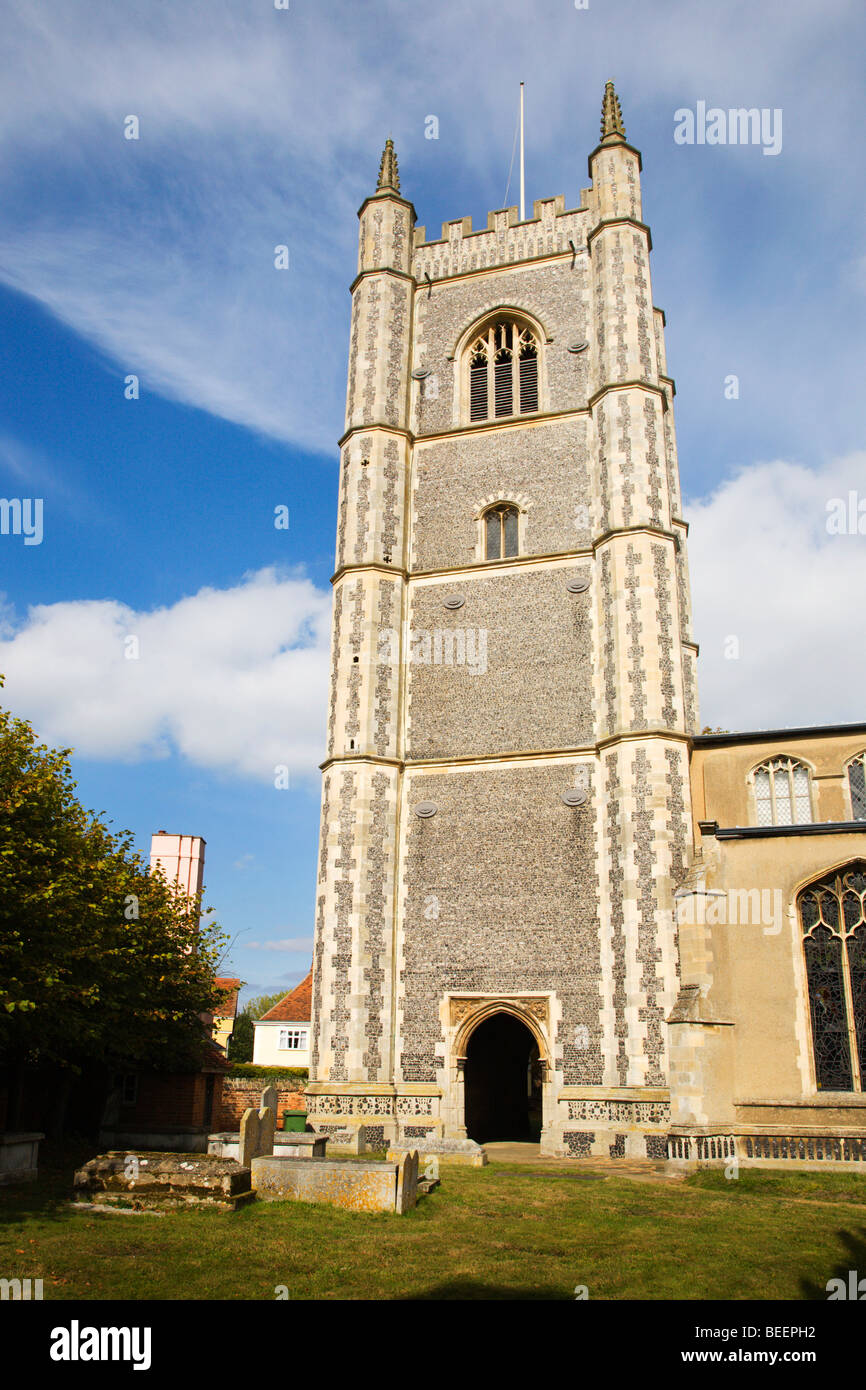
(353, 965)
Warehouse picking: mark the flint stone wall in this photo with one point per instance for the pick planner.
(536, 691)
(513, 874)
(545, 469)
(554, 293)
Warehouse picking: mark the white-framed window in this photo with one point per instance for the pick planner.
(856, 770)
(503, 363)
(783, 794)
(294, 1039)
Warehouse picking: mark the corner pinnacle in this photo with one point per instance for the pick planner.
(612, 127)
(389, 174)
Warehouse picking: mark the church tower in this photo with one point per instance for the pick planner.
(506, 808)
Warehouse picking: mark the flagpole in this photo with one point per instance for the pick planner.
(522, 187)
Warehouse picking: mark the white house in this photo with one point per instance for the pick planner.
(282, 1035)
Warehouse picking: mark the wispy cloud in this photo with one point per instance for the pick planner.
(261, 127)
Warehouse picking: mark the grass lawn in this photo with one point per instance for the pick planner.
(505, 1231)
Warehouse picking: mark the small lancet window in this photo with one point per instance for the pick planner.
(500, 532)
(503, 372)
(782, 793)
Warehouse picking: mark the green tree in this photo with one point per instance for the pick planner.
(243, 1033)
(261, 1004)
(100, 960)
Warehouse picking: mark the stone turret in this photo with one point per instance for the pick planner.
(355, 900)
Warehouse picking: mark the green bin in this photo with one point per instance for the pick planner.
(295, 1121)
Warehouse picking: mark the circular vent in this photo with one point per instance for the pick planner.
(579, 347)
(454, 601)
(577, 586)
(575, 797)
(425, 809)
(420, 373)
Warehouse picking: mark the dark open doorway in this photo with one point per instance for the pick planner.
(502, 1082)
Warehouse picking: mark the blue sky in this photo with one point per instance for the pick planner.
(261, 127)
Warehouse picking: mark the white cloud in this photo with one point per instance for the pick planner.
(233, 680)
(766, 571)
(236, 679)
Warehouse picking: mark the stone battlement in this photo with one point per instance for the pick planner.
(504, 240)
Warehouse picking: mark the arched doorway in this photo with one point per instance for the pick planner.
(502, 1081)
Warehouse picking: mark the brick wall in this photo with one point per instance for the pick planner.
(242, 1093)
(173, 1100)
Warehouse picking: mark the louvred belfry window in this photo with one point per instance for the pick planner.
(833, 919)
(503, 372)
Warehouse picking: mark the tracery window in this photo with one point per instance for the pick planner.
(782, 792)
(500, 532)
(503, 372)
(833, 918)
(857, 786)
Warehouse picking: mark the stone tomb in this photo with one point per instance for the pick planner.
(300, 1145)
(433, 1151)
(19, 1157)
(159, 1181)
(389, 1186)
(343, 1141)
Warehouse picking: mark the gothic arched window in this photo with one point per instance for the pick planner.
(782, 792)
(857, 786)
(500, 532)
(833, 918)
(503, 372)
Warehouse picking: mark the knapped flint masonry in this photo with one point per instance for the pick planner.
(510, 850)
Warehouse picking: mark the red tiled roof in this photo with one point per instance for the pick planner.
(294, 1007)
(214, 1058)
(229, 1006)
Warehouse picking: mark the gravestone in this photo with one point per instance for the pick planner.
(269, 1099)
(256, 1135)
(407, 1182)
(267, 1125)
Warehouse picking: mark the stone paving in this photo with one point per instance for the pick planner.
(642, 1170)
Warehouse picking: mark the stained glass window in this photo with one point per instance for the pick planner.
(833, 919)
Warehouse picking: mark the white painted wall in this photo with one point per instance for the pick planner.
(267, 1051)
